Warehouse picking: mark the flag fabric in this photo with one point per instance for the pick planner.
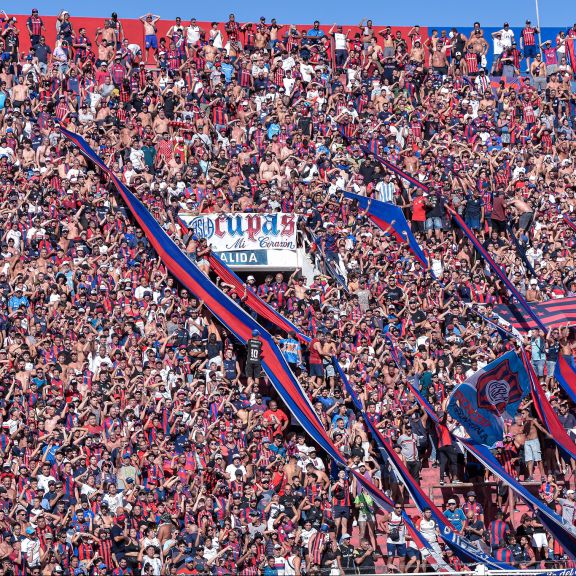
(562, 531)
(522, 253)
(565, 374)
(551, 313)
(239, 322)
(252, 299)
(480, 402)
(496, 269)
(391, 220)
(569, 221)
(571, 51)
(547, 414)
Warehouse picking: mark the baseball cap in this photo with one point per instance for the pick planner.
(451, 501)
(250, 277)
(570, 492)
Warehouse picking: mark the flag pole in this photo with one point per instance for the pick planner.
(538, 24)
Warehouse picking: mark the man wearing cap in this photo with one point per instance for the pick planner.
(474, 506)
(455, 515)
(254, 359)
(568, 507)
(31, 547)
(346, 553)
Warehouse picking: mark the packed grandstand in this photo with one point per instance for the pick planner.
(285, 300)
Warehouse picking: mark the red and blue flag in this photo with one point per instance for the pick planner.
(390, 219)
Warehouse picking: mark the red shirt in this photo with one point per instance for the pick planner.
(276, 419)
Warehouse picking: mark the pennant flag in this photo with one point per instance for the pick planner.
(390, 219)
(497, 270)
(241, 324)
(547, 414)
(565, 374)
(552, 314)
(563, 532)
(480, 402)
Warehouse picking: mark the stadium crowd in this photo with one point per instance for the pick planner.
(138, 436)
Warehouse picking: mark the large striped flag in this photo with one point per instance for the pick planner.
(390, 219)
(460, 545)
(547, 414)
(241, 324)
(551, 313)
(565, 374)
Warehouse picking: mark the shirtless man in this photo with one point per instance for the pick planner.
(261, 38)
(210, 51)
(538, 73)
(388, 42)
(161, 123)
(20, 93)
(150, 39)
(525, 211)
(476, 43)
(532, 450)
(417, 54)
(269, 169)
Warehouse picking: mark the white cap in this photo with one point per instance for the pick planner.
(250, 277)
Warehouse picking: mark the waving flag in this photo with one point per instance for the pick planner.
(391, 220)
(239, 322)
(565, 374)
(547, 414)
(480, 402)
(563, 531)
(571, 51)
(460, 545)
(552, 313)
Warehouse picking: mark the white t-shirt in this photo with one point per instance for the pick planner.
(507, 37)
(340, 41)
(192, 34)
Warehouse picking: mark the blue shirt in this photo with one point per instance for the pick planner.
(315, 33)
(456, 517)
(290, 348)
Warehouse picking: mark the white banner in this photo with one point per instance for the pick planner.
(241, 231)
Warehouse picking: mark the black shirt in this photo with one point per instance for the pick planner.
(254, 348)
